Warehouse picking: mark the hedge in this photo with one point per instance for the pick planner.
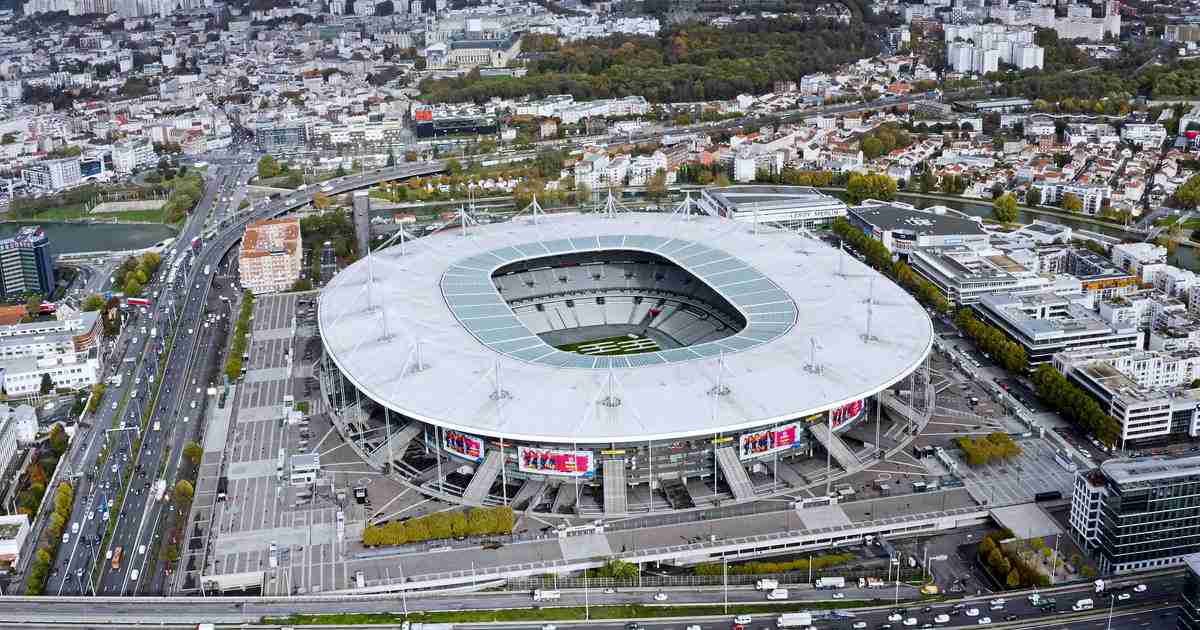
(440, 525)
(760, 568)
(233, 364)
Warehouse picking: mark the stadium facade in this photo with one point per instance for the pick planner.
(609, 363)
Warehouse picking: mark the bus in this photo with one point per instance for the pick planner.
(116, 559)
(134, 301)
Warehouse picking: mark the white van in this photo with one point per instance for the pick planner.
(779, 593)
(133, 575)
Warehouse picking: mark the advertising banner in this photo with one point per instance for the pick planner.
(845, 415)
(545, 461)
(768, 441)
(463, 445)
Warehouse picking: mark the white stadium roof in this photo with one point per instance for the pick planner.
(787, 286)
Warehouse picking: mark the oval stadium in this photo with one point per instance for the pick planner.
(610, 363)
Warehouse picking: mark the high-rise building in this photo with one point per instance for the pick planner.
(270, 256)
(1138, 514)
(283, 138)
(26, 264)
(1189, 605)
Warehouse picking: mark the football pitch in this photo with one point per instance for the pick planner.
(612, 346)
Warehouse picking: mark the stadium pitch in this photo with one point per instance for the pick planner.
(612, 346)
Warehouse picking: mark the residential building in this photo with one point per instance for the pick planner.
(132, 154)
(26, 264)
(1046, 324)
(1138, 514)
(964, 275)
(270, 256)
(53, 175)
(1145, 135)
(281, 139)
(1132, 257)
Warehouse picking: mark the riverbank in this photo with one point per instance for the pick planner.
(73, 237)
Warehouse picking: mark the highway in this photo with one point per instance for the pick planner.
(1162, 595)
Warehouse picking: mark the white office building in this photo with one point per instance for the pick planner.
(53, 175)
(132, 154)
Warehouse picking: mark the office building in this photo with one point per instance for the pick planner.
(132, 154)
(1148, 393)
(281, 139)
(13, 531)
(26, 264)
(64, 349)
(1046, 324)
(1138, 514)
(964, 275)
(18, 427)
(270, 255)
(782, 205)
(1189, 605)
(903, 228)
(53, 175)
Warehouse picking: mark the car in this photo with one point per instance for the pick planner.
(610, 590)
(141, 550)
(1140, 588)
(911, 621)
(66, 538)
(984, 620)
(660, 596)
(742, 619)
(633, 625)
(859, 625)
(549, 626)
(972, 612)
(1124, 596)
(894, 617)
(1010, 617)
(839, 596)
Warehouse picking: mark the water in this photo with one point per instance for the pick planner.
(70, 238)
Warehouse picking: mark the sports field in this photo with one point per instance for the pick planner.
(611, 346)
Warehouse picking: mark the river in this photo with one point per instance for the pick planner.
(70, 238)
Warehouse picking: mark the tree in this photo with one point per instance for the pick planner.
(57, 439)
(391, 158)
(870, 186)
(33, 306)
(1072, 203)
(93, 302)
(656, 188)
(193, 452)
(183, 492)
(47, 384)
(1004, 208)
(1014, 579)
(1033, 197)
(321, 201)
(268, 167)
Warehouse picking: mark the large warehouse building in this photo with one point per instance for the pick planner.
(610, 364)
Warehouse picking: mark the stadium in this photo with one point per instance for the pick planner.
(610, 363)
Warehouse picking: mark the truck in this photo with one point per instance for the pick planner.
(929, 589)
(207, 269)
(766, 585)
(794, 620)
(778, 594)
(115, 380)
(1099, 586)
(830, 582)
(160, 489)
(1083, 604)
(154, 332)
(546, 595)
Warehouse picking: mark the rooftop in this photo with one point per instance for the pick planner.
(271, 237)
(1148, 469)
(891, 218)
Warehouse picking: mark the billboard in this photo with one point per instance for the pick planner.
(463, 445)
(769, 441)
(845, 415)
(547, 461)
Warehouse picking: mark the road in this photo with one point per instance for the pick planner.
(1161, 595)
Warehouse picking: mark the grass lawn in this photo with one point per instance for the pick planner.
(612, 346)
(1166, 221)
(76, 212)
(146, 216)
(566, 613)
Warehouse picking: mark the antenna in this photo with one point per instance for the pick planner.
(685, 207)
(611, 205)
(813, 366)
(720, 389)
(498, 391)
(868, 337)
(370, 294)
(841, 259)
(610, 388)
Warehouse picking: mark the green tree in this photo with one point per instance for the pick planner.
(1014, 579)
(93, 302)
(47, 384)
(1072, 203)
(656, 188)
(877, 186)
(193, 452)
(391, 158)
(268, 167)
(184, 491)
(1033, 197)
(1004, 208)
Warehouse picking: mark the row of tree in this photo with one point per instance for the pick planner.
(995, 447)
(40, 470)
(884, 139)
(763, 567)
(1006, 563)
(241, 332)
(923, 289)
(43, 558)
(440, 525)
(992, 340)
(877, 186)
(1075, 405)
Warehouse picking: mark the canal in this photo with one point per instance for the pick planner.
(70, 238)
